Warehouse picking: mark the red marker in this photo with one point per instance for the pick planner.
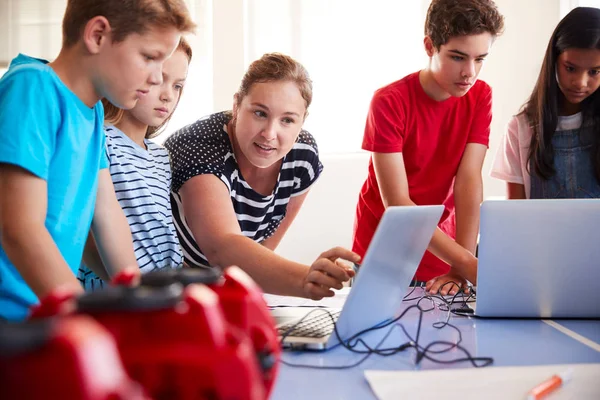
(550, 385)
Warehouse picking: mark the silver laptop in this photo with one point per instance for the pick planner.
(389, 265)
(539, 259)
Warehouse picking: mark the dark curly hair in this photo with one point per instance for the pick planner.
(449, 18)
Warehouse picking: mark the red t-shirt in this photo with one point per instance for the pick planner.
(432, 136)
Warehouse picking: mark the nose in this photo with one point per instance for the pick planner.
(580, 81)
(155, 77)
(469, 69)
(166, 94)
(270, 131)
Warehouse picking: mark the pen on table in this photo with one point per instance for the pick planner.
(550, 385)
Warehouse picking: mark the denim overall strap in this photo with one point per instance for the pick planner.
(575, 177)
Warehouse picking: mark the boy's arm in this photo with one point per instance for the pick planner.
(515, 191)
(393, 186)
(468, 195)
(23, 234)
(111, 230)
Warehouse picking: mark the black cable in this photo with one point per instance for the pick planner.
(422, 352)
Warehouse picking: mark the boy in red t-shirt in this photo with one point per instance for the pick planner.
(429, 134)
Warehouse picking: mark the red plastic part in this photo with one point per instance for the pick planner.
(79, 361)
(244, 307)
(219, 342)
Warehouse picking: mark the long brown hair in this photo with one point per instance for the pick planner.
(113, 114)
(580, 29)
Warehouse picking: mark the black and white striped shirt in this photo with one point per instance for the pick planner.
(204, 148)
(142, 181)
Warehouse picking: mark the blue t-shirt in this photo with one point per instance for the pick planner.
(47, 130)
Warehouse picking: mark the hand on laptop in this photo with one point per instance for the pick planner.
(328, 272)
(450, 283)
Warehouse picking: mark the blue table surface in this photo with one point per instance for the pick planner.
(510, 342)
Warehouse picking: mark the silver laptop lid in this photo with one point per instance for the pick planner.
(389, 265)
(539, 258)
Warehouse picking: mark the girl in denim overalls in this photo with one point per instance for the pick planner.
(551, 149)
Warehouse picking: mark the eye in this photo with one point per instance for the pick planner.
(480, 60)
(457, 58)
(594, 72)
(149, 57)
(260, 114)
(178, 86)
(569, 68)
(288, 121)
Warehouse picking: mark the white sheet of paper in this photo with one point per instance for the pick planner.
(336, 301)
(484, 383)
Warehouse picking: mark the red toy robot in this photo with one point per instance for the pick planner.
(210, 339)
(243, 305)
(72, 358)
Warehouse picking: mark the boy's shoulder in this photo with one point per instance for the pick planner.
(400, 88)
(480, 88)
(28, 69)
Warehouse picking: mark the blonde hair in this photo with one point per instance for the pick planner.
(273, 67)
(125, 17)
(113, 114)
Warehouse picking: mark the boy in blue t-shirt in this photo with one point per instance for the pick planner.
(54, 181)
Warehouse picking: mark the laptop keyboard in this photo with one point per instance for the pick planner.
(319, 326)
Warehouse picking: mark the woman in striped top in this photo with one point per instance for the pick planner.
(240, 178)
(141, 173)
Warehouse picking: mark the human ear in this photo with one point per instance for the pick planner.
(96, 33)
(429, 47)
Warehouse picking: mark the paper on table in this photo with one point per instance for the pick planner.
(336, 301)
(480, 383)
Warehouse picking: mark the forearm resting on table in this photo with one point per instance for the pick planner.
(452, 253)
(442, 245)
(468, 195)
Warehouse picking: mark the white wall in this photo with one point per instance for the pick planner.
(226, 42)
(327, 218)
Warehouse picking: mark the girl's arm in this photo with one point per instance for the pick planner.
(92, 259)
(292, 210)
(110, 229)
(212, 220)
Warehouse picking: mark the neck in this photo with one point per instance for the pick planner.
(431, 87)
(262, 180)
(568, 108)
(133, 128)
(76, 79)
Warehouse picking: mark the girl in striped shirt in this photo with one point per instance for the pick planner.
(240, 178)
(141, 173)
